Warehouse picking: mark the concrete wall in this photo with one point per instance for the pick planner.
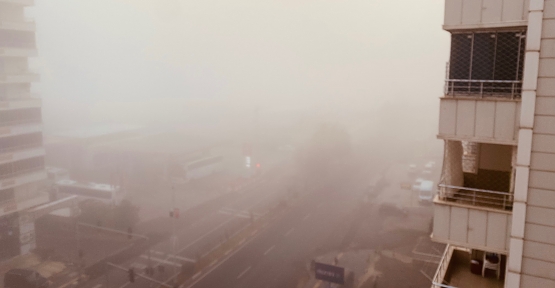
(496, 157)
(532, 259)
(461, 14)
(473, 227)
(479, 120)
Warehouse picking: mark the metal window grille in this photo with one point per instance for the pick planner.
(486, 64)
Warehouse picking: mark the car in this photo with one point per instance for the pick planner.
(412, 168)
(426, 191)
(24, 278)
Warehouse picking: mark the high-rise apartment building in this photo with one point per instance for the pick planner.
(22, 172)
(495, 206)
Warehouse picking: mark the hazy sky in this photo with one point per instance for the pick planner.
(101, 56)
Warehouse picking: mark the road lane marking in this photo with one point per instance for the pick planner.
(181, 258)
(243, 273)
(216, 228)
(317, 284)
(234, 214)
(305, 217)
(289, 232)
(161, 261)
(219, 264)
(268, 251)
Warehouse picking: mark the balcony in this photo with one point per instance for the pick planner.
(24, 152)
(19, 2)
(23, 178)
(454, 271)
(20, 103)
(478, 14)
(20, 129)
(25, 77)
(10, 206)
(486, 120)
(28, 26)
(17, 52)
(507, 89)
(473, 206)
(475, 227)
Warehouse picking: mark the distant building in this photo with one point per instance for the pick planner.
(22, 171)
(496, 202)
(120, 154)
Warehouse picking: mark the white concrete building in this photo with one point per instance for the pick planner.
(496, 200)
(22, 172)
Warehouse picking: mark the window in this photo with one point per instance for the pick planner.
(20, 116)
(486, 63)
(11, 169)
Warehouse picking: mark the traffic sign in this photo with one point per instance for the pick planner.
(330, 273)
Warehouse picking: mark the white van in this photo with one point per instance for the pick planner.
(426, 191)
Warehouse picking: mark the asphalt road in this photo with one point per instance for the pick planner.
(277, 256)
(200, 236)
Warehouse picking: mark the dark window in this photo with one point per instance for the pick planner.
(20, 116)
(20, 141)
(11, 169)
(486, 63)
(17, 39)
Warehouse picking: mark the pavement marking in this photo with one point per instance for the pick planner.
(305, 217)
(270, 249)
(217, 227)
(243, 273)
(161, 261)
(97, 286)
(289, 232)
(234, 214)
(181, 258)
(157, 252)
(220, 263)
(72, 281)
(317, 284)
(197, 274)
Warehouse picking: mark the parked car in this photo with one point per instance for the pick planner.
(24, 278)
(426, 191)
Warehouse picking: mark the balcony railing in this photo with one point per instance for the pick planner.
(20, 147)
(483, 88)
(20, 122)
(476, 197)
(437, 281)
(21, 172)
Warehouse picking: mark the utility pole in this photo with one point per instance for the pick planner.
(174, 242)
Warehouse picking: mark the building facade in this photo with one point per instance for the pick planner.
(495, 206)
(22, 172)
